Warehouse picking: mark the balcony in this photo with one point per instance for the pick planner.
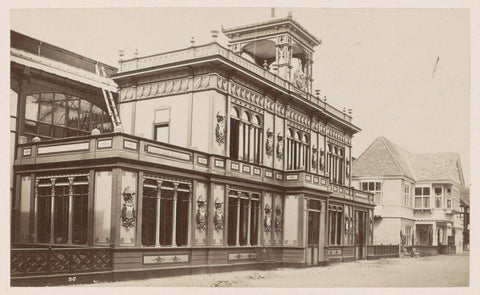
(215, 50)
(114, 147)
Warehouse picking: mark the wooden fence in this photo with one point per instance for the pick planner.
(383, 251)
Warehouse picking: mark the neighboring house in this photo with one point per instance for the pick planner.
(465, 217)
(224, 159)
(417, 196)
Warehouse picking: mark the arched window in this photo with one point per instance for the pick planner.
(58, 115)
(298, 150)
(245, 136)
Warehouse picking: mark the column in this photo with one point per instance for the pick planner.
(70, 210)
(274, 215)
(300, 156)
(189, 222)
(238, 220)
(249, 218)
(35, 217)
(52, 213)
(174, 222)
(434, 235)
(157, 224)
(251, 153)
(240, 140)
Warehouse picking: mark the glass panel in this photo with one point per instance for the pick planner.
(418, 202)
(426, 202)
(438, 191)
(97, 117)
(418, 191)
(378, 186)
(84, 116)
(59, 111)
(426, 191)
(371, 186)
(80, 214)
(182, 220)
(73, 106)
(46, 108)
(44, 129)
(232, 221)
(364, 186)
(61, 214)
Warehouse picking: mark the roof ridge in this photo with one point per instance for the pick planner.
(369, 146)
(391, 155)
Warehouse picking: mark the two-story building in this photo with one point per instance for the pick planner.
(210, 158)
(417, 196)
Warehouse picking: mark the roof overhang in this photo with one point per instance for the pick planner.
(60, 69)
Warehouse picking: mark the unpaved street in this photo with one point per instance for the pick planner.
(436, 271)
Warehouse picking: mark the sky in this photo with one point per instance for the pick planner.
(404, 72)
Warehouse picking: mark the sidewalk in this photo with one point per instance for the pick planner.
(434, 271)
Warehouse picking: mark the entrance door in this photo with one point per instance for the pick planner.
(313, 228)
(360, 234)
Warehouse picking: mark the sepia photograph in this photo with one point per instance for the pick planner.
(279, 147)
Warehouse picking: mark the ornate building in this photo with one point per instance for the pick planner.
(217, 158)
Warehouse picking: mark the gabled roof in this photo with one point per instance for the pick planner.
(382, 158)
(385, 158)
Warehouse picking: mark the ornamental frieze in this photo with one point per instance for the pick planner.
(246, 105)
(269, 104)
(280, 109)
(297, 126)
(246, 94)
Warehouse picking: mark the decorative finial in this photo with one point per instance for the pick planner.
(317, 92)
(192, 41)
(229, 45)
(289, 14)
(265, 64)
(325, 98)
(350, 111)
(136, 53)
(344, 110)
(214, 35)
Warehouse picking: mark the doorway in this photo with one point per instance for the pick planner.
(313, 237)
(360, 234)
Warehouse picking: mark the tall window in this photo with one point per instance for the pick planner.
(165, 213)
(245, 136)
(374, 187)
(243, 218)
(438, 197)
(62, 206)
(348, 232)
(422, 197)
(336, 164)
(161, 127)
(335, 214)
(298, 150)
(58, 115)
(406, 195)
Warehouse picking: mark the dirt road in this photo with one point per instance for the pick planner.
(435, 271)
